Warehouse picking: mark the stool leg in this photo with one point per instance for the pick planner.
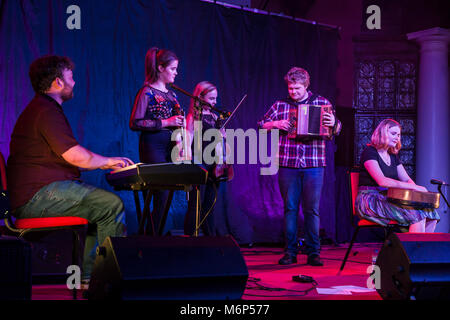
(75, 256)
(349, 249)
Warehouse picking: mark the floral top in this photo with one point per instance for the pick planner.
(151, 106)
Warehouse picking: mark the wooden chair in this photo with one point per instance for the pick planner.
(23, 227)
(362, 223)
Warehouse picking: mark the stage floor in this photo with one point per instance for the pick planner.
(270, 281)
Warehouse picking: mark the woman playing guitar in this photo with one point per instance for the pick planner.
(381, 167)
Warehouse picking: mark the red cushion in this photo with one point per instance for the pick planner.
(33, 223)
(354, 180)
(364, 222)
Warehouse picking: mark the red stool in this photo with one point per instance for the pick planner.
(24, 226)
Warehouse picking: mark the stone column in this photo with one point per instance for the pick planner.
(433, 114)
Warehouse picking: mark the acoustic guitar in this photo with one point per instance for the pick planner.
(413, 198)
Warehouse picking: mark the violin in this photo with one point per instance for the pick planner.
(180, 112)
(223, 171)
(223, 113)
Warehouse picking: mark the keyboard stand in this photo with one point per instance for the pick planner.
(198, 209)
(146, 225)
(148, 179)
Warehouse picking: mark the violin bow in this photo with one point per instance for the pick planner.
(235, 109)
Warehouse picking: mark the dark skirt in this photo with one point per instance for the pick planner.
(155, 147)
(372, 205)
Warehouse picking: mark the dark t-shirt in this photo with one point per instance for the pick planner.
(371, 153)
(41, 135)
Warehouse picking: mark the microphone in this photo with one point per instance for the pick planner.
(439, 182)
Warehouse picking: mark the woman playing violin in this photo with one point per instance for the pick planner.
(381, 168)
(200, 112)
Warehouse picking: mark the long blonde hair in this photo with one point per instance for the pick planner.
(200, 91)
(379, 138)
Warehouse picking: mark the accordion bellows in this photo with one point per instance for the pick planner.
(307, 121)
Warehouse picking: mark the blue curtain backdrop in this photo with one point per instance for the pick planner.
(241, 52)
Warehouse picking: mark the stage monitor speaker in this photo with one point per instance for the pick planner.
(51, 254)
(168, 268)
(415, 266)
(15, 269)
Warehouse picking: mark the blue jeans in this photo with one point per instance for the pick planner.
(104, 211)
(303, 184)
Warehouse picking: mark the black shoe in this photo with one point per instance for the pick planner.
(303, 250)
(314, 260)
(287, 259)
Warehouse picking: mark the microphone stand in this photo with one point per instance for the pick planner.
(442, 194)
(225, 114)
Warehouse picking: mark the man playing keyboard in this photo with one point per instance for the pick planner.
(45, 161)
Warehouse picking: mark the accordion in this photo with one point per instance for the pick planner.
(306, 121)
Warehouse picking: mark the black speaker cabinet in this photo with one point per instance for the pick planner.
(15, 269)
(51, 254)
(168, 268)
(415, 266)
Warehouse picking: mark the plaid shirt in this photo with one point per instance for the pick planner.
(294, 153)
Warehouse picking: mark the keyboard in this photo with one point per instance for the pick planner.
(141, 176)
